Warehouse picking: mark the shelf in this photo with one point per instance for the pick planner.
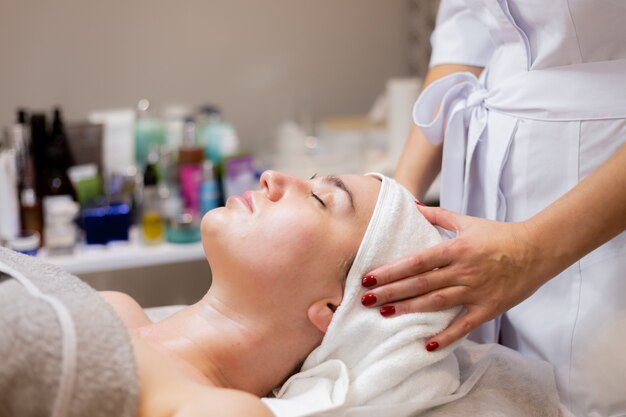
(112, 257)
(134, 254)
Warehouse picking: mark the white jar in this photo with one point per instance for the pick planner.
(59, 227)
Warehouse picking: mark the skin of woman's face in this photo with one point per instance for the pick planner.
(290, 242)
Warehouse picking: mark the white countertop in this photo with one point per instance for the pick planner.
(134, 254)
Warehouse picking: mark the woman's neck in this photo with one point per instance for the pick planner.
(227, 348)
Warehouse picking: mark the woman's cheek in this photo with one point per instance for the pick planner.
(291, 240)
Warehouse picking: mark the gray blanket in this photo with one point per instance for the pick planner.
(63, 351)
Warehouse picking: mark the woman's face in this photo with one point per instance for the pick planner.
(291, 240)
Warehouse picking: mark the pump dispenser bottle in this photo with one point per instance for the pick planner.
(148, 132)
(190, 159)
(59, 159)
(151, 220)
(210, 196)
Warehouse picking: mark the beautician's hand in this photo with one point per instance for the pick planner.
(488, 267)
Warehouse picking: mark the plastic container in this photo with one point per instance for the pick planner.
(149, 132)
(151, 220)
(190, 160)
(60, 230)
(218, 138)
(106, 223)
(210, 195)
(27, 242)
(118, 221)
(240, 175)
(183, 229)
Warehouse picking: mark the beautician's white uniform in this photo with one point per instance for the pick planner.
(549, 109)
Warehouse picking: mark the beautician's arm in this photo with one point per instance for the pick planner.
(491, 266)
(420, 161)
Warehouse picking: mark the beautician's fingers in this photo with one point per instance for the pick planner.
(474, 316)
(437, 256)
(412, 287)
(433, 301)
(447, 219)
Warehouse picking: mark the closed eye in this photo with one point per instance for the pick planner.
(318, 199)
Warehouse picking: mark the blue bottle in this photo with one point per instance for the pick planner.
(210, 195)
(104, 223)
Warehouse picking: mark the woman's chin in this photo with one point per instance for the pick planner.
(212, 222)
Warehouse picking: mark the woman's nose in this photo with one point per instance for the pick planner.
(276, 184)
(273, 184)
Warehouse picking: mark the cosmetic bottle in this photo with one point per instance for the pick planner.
(19, 135)
(93, 218)
(104, 223)
(190, 159)
(60, 230)
(118, 221)
(38, 143)
(240, 175)
(148, 132)
(118, 139)
(218, 138)
(58, 160)
(9, 199)
(210, 196)
(86, 183)
(171, 203)
(174, 122)
(121, 187)
(151, 221)
(30, 209)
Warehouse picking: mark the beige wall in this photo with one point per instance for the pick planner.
(260, 60)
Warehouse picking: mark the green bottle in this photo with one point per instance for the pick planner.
(148, 132)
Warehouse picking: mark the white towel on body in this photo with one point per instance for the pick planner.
(368, 365)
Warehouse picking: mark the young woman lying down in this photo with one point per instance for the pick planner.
(284, 309)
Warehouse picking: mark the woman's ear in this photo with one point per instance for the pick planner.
(321, 313)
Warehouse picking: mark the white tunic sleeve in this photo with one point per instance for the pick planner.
(459, 37)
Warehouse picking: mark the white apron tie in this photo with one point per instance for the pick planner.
(463, 104)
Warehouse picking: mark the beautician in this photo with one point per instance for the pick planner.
(524, 114)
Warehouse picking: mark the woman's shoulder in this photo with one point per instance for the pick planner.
(170, 389)
(224, 403)
(127, 308)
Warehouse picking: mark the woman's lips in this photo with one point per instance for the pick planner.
(247, 197)
(245, 200)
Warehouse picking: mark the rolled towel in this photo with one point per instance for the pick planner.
(63, 350)
(366, 364)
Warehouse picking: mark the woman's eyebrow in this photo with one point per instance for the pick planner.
(338, 182)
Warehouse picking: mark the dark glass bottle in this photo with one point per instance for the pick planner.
(30, 209)
(38, 144)
(58, 160)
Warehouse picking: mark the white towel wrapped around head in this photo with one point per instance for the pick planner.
(367, 364)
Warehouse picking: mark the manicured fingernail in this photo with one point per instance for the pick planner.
(387, 311)
(432, 346)
(420, 204)
(369, 281)
(368, 299)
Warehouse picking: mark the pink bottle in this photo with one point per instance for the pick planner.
(190, 160)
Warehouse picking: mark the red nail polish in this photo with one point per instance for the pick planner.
(369, 281)
(420, 204)
(432, 346)
(368, 299)
(387, 311)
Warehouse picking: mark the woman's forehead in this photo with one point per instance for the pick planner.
(365, 189)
